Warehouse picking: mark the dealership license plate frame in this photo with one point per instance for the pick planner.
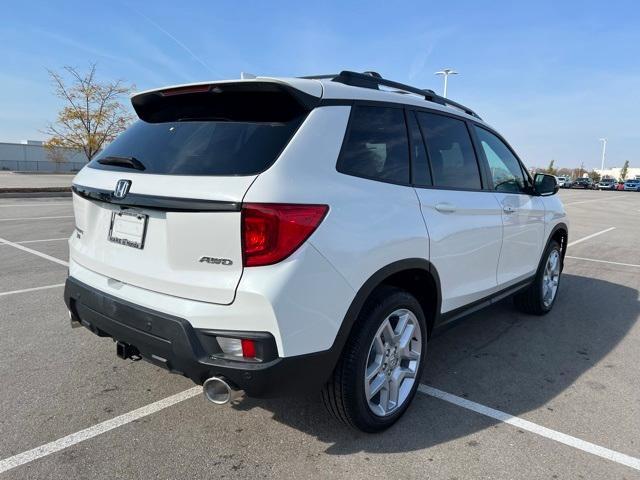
(133, 240)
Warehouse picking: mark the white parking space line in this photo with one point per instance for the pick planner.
(34, 289)
(69, 203)
(592, 200)
(560, 437)
(43, 240)
(35, 252)
(100, 428)
(33, 218)
(107, 425)
(604, 261)
(589, 237)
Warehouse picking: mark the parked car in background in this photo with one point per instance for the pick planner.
(584, 182)
(607, 184)
(632, 185)
(562, 181)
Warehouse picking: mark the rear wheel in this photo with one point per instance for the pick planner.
(539, 297)
(379, 371)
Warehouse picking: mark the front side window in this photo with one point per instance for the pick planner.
(505, 168)
(451, 155)
(376, 145)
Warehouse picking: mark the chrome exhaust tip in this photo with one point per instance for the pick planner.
(217, 390)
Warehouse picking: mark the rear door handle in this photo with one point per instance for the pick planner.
(445, 207)
(508, 209)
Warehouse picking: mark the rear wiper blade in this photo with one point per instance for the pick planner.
(127, 162)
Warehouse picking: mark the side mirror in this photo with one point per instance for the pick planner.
(545, 185)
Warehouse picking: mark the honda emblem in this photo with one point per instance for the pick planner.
(122, 188)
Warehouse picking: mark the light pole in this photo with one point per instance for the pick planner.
(604, 149)
(445, 73)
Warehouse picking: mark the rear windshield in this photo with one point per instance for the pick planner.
(199, 147)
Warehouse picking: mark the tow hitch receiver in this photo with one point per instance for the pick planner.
(124, 351)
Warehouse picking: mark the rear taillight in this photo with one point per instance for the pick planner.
(273, 231)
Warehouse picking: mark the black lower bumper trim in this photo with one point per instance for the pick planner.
(171, 342)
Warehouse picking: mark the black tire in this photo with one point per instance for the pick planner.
(344, 393)
(531, 300)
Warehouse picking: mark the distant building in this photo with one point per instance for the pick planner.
(615, 172)
(32, 156)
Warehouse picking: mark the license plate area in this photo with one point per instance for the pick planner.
(128, 229)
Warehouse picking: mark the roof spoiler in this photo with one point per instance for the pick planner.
(231, 101)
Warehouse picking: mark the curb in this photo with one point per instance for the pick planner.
(27, 192)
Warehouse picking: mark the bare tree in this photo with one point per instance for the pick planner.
(579, 172)
(93, 115)
(56, 154)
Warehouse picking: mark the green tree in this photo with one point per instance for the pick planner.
(93, 113)
(625, 170)
(595, 176)
(550, 170)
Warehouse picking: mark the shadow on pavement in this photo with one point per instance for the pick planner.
(497, 357)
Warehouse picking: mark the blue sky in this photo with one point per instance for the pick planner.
(553, 77)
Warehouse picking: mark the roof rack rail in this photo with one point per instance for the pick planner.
(374, 80)
(319, 77)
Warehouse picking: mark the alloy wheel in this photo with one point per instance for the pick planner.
(551, 278)
(392, 363)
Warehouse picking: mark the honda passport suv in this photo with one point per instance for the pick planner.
(279, 235)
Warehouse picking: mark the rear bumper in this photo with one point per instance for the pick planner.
(172, 343)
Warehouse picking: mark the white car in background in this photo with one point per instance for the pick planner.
(564, 182)
(277, 235)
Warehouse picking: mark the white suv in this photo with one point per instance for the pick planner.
(275, 235)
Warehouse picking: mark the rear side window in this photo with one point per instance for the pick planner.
(451, 155)
(376, 145)
(200, 147)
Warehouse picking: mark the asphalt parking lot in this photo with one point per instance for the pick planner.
(524, 397)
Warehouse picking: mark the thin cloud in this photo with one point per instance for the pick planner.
(177, 42)
(419, 62)
(98, 54)
(430, 40)
(155, 57)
